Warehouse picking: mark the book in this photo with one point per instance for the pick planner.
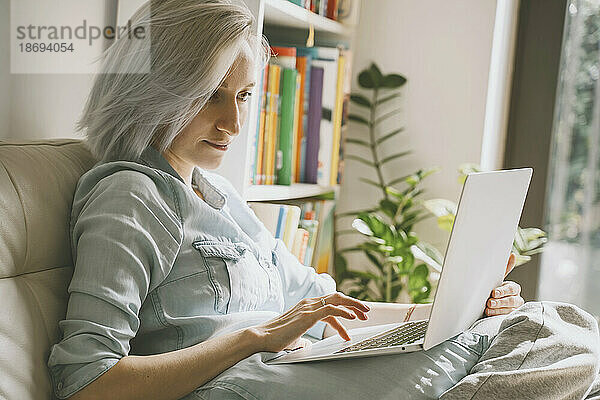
(300, 243)
(303, 71)
(332, 10)
(286, 126)
(291, 224)
(267, 213)
(323, 252)
(314, 124)
(304, 56)
(328, 59)
(281, 220)
(271, 124)
(296, 132)
(260, 134)
(337, 120)
(345, 112)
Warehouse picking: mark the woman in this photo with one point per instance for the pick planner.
(170, 263)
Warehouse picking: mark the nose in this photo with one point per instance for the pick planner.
(229, 119)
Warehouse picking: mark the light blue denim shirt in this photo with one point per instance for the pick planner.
(159, 269)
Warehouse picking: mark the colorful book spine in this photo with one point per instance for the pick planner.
(303, 70)
(286, 125)
(281, 222)
(345, 110)
(296, 130)
(314, 123)
(271, 124)
(260, 134)
(291, 224)
(337, 121)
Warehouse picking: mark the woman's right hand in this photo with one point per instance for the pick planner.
(284, 332)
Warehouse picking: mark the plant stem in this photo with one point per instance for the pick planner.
(388, 283)
(373, 143)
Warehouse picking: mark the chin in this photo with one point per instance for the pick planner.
(210, 165)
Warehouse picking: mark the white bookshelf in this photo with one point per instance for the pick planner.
(284, 192)
(293, 20)
(287, 14)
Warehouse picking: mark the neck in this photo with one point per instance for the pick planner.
(182, 167)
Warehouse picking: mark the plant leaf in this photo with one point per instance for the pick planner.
(360, 100)
(394, 156)
(428, 254)
(440, 207)
(387, 115)
(364, 275)
(371, 182)
(345, 232)
(445, 222)
(388, 207)
(365, 79)
(388, 135)
(362, 227)
(359, 119)
(401, 179)
(351, 213)
(465, 169)
(374, 259)
(393, 81)
(361, 159)
(350, 249)
(376, 74)
(358, 141)
(387, 98)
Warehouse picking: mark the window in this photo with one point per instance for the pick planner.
(570, 266)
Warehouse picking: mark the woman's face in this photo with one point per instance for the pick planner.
(207, 138)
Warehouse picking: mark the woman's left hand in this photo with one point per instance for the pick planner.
(505, 297)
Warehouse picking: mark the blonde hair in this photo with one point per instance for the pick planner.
(190, 47)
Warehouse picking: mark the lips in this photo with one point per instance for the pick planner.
(219, 146)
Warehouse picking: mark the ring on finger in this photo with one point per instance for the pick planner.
(323, 301)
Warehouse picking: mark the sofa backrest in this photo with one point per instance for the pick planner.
(37, 183)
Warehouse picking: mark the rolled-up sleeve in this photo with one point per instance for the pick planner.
(125, 237)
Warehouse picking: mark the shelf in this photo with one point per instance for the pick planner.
(288, 14)
(284, 192)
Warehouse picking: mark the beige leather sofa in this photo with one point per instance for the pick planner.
(37, 182)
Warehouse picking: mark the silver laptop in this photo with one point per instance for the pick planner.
(481, 240)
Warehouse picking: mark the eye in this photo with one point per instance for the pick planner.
(245, 96)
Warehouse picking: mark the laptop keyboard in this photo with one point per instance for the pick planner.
(404, 334)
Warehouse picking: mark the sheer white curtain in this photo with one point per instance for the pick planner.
(571, 263)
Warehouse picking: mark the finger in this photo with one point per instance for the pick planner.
(339, 298)
(359, 313)
(506, 302)
(507, 288)
(498, 311)
(331, 310)
(512, 260)
(335, 324)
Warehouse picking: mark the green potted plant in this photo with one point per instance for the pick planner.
(389, 243)
(402, 262)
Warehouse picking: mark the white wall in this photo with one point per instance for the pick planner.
(36, 106)
(443, 48)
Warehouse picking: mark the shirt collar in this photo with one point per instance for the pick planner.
(215, 197)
